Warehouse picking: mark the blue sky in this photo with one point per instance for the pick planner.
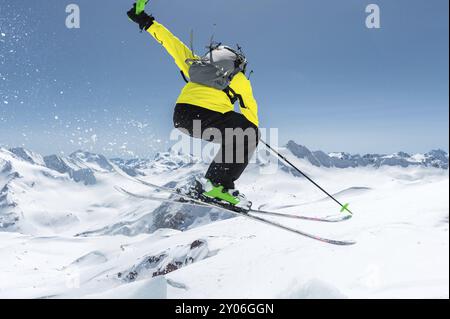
(321, 77)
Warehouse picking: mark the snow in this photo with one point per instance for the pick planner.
(336, 155)
(128, 250)
(418, 157)
(145, 289)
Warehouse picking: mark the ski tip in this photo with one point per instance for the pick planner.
(341, 242)
(335, 219)
(348, 243)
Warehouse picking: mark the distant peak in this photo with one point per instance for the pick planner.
(435, 158)
(27, 155)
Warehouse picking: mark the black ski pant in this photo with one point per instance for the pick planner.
(202, 123)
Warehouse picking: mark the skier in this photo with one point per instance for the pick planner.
(216, 82)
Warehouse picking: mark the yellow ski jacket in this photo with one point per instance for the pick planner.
(201, 95)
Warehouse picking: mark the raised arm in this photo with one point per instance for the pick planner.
(177, 49)
(174, 46)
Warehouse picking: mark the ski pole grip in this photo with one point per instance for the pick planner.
(140, 6)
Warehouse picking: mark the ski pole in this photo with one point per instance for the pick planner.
(344, 207)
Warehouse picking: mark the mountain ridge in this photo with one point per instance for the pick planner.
(81, 166)
(434, 158)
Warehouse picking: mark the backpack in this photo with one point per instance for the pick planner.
(218, 67)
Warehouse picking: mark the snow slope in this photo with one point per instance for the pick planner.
(65, 238)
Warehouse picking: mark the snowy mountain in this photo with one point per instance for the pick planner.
(66, 232)
(75, 183)
(435, 158)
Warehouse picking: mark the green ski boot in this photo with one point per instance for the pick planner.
(221, 195)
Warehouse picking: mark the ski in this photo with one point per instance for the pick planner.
(186, 201)
(255, 211)
(328, 219)
(247, 215)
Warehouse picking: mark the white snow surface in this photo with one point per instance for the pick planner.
(400, 224)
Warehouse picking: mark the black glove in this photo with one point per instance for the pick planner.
(144, 20)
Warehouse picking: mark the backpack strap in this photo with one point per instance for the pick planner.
(234, 97)
(184, 77)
